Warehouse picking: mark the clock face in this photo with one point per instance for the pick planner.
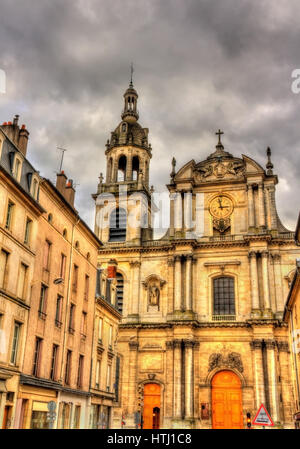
(221, 207)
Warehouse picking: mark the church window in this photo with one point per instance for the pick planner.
(224, 300)
(117, 225)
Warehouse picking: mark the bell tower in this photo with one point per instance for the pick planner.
(123, 201)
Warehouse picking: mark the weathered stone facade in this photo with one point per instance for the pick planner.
(172, 332)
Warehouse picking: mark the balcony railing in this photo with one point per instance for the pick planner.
(223, 317)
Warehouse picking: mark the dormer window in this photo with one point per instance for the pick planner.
(34, 185)
(17, 168)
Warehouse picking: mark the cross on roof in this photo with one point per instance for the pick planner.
(219, 133)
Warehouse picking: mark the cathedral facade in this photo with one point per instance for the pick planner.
(202, 341)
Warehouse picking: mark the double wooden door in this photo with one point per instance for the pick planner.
(227, 412)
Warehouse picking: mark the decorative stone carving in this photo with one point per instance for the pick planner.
(233, 360)
(153, 284)
(221, 224)
(222, 168)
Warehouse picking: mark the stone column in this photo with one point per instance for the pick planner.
(261, 206)
(178, 284)
(273, 208)
(286, 382)
(170, 285)
(177, 366)
(178, 216)
(259, 381)
(278, 283)
(135, 289)
(172, 213)
(272, 378)
(268, 207)
(188, 283)
(251, 220)
(114, 175)
(265, 278)
(128, 175)
(169, 383)
(131, 400)
(188, 214)
(254, 284)
(189, 379)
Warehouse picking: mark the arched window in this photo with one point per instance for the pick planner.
(50, 218)
(122, 168)
(135, 168)
(120, 292)
(117, 225)
(224, 301)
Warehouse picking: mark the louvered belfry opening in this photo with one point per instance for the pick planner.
(120, 292)
(117, 225)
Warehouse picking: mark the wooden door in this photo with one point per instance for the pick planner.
(151, 416)
(6, 417)
(227, 410)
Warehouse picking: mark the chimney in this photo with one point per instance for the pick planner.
(61, 180)
(23, 140)
(70, 192)
(18, 136)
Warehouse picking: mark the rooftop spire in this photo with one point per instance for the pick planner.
(130, 113)
(269, 164)
(131, 73)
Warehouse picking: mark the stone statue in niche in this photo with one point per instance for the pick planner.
(153, 285)
(154, 294)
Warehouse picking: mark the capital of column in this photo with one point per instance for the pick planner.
(133, 345)
(276, 258)
(256, 344)
(177, 344)
(264, 253)
(188, 343)
(135, 263)
(177, 258)
(252, 254)
(260, 185)
(283, 346)
(249, 187)
(270, 344)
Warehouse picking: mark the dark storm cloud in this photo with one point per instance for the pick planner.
(199, 65)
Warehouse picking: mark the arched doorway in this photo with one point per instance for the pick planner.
(151, 416)
(227, 412)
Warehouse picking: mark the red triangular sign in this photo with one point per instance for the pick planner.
(262, 417)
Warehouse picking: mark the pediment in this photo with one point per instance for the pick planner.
(252, 166)
(186, 172)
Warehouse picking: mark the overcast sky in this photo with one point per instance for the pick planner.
(199, 65)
